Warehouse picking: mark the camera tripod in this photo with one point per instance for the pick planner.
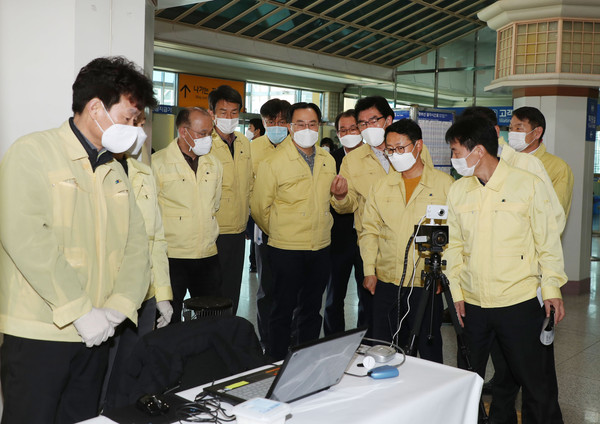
(432, 279)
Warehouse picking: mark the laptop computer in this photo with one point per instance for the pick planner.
(307, 369)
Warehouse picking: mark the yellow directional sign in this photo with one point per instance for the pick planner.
(193, 89)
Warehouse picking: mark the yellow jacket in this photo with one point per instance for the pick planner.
(361, 169)
(144, 190)
(388, 222)
(188, 202)
(561, 175)
(261, 148)
(532, 164)
(502, 237)
(71, 238)
(289, 203)
(237, 183)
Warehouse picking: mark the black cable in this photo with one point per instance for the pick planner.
(203, 410)
(399, 301)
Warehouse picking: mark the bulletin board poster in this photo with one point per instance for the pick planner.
(434, 125)
(193, 90)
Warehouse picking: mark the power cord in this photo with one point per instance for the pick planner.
(203, 410)
(412, 280)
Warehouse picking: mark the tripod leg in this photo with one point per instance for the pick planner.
(432, 310)
(461, 339)
(427, 291)
(457, 327)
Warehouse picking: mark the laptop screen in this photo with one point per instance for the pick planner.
(316, 366)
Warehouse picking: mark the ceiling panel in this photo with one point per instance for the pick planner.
(382, 32)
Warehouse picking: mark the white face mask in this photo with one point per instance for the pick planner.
(305, 138)
(201, 145)
(373, 136)
(326, 148)
(117, 138)
(139, 142)
(460, 165)
(227, 126)
(516, 140)
(249, 134)
(351, 140)
(403, 161)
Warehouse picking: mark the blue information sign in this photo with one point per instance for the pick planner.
(504, 113)
(590, 121)
(401, 114)
(166, 109)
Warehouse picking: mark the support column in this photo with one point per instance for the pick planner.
(550, 56)
(44, 44)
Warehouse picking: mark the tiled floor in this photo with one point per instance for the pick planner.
(577, 344)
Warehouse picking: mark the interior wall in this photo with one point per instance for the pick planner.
(163, 130)
(41, 53)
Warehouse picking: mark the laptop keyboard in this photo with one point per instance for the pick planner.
(253, 390)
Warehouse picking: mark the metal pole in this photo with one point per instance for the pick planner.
(395, 79)
(436, 76)
(476, 42)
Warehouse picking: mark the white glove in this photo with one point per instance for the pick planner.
(94, 328)
(114, 317)
(166, 313)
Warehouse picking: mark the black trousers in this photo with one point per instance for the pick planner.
(505, 388)
(51, 382)
(202, 277)
(264, 294)
(517, 330)
(299, 280)
(385, 319)
(249, 234)
(344, 257)
(252, 256)
(231, 249)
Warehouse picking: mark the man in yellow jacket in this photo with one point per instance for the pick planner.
(232, 149)
(345, 254)
(290, 203)
(159, 293)
(526, 133)
(503, 386)
(274, 114)
(189, 180)
(503, 244)
(394, 206)
(74, 254)
(367, 164)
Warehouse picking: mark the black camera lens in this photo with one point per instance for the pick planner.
(439, 238)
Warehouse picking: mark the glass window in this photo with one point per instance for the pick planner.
(165, 86)
(258, 94)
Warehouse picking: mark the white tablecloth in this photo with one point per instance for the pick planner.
(424, 392)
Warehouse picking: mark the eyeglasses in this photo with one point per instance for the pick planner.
(398, 149)
(370, 122)
(350, 130)
(301, 125)
(275, 123)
